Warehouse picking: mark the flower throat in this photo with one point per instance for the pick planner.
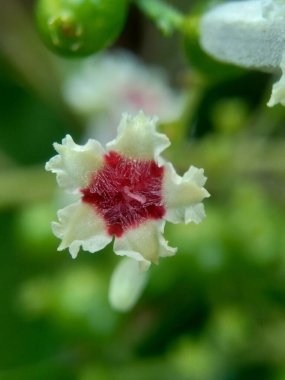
(126, 192)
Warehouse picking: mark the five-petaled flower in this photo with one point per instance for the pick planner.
(127, 192)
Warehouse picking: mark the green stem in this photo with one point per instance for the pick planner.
(167, 18)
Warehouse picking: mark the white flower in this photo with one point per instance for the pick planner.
(278, 90)
(126, 192)
(106, 85)
(249, 34)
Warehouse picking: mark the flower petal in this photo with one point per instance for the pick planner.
(137, 138)
(127, 283)
(134, 86)
(75, 163)
(278, 90)
(246, 33)
(273, 9)
(183, 195)
(144, 243)
(80, 225)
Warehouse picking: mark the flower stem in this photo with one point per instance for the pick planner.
(167, 18)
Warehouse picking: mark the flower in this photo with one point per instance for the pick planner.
(248, 34)
(108, 84)
(126, 192)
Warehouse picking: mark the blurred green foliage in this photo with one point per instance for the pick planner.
(215, 311)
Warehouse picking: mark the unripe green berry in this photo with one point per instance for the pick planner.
(80, 27)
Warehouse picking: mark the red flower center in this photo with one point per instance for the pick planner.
(126, 192)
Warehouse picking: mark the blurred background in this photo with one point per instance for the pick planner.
(215, 311)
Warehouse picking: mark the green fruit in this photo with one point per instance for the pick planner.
(80, 27)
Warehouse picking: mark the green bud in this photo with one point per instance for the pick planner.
(80, 27)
